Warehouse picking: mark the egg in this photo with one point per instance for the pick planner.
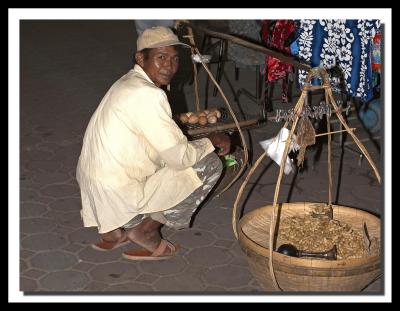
(203, 120)
(212, 113)
(212, 119)
(183, 118)
(193, 119)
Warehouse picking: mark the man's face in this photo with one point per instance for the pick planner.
(161, 65)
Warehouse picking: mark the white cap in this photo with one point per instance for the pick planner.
(157, 37)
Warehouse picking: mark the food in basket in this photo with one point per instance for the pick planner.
(207, 116)
(203, 120)
(193, 119)
(315, 235)
(183, 118)
(212, 119)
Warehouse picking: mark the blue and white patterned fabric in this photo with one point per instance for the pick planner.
(343, 44)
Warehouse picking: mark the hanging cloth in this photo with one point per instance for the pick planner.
(275, 34)
(341, 44)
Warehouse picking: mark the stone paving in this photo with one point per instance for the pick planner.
(66, 68)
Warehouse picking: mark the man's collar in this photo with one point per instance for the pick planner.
(141, 72)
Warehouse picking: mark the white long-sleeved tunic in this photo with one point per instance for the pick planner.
(134, 158)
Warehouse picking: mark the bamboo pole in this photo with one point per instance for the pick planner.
(328, 128)
(282, 57)
(196, 80)
(297, 110)
(355, 138)
(223, 127)
(334, 132)
(245, 150)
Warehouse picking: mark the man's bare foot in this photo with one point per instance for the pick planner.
(111, 240)
(146, 234)
(112, 236)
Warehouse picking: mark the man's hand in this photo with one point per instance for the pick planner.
(220, 141)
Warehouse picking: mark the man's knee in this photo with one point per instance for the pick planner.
(210, 168)
(216, 163)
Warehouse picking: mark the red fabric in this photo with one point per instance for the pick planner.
(275, 35)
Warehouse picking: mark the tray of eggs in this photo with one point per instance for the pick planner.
(204, 118)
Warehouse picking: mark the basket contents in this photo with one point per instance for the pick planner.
(321, 211)
(312, 234)
(204, 117)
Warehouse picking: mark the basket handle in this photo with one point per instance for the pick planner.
(317, 72)
(190, 36)
(239, 195)
(297, 108)
(297, 111)
(314, 72)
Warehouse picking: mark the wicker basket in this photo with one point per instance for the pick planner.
(305, 274)
(257, 229)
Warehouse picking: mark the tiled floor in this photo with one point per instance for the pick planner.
(66, 68)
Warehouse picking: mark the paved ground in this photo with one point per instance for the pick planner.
(66, 68)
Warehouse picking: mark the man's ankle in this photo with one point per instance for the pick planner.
(150, 225)
(112, 236)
